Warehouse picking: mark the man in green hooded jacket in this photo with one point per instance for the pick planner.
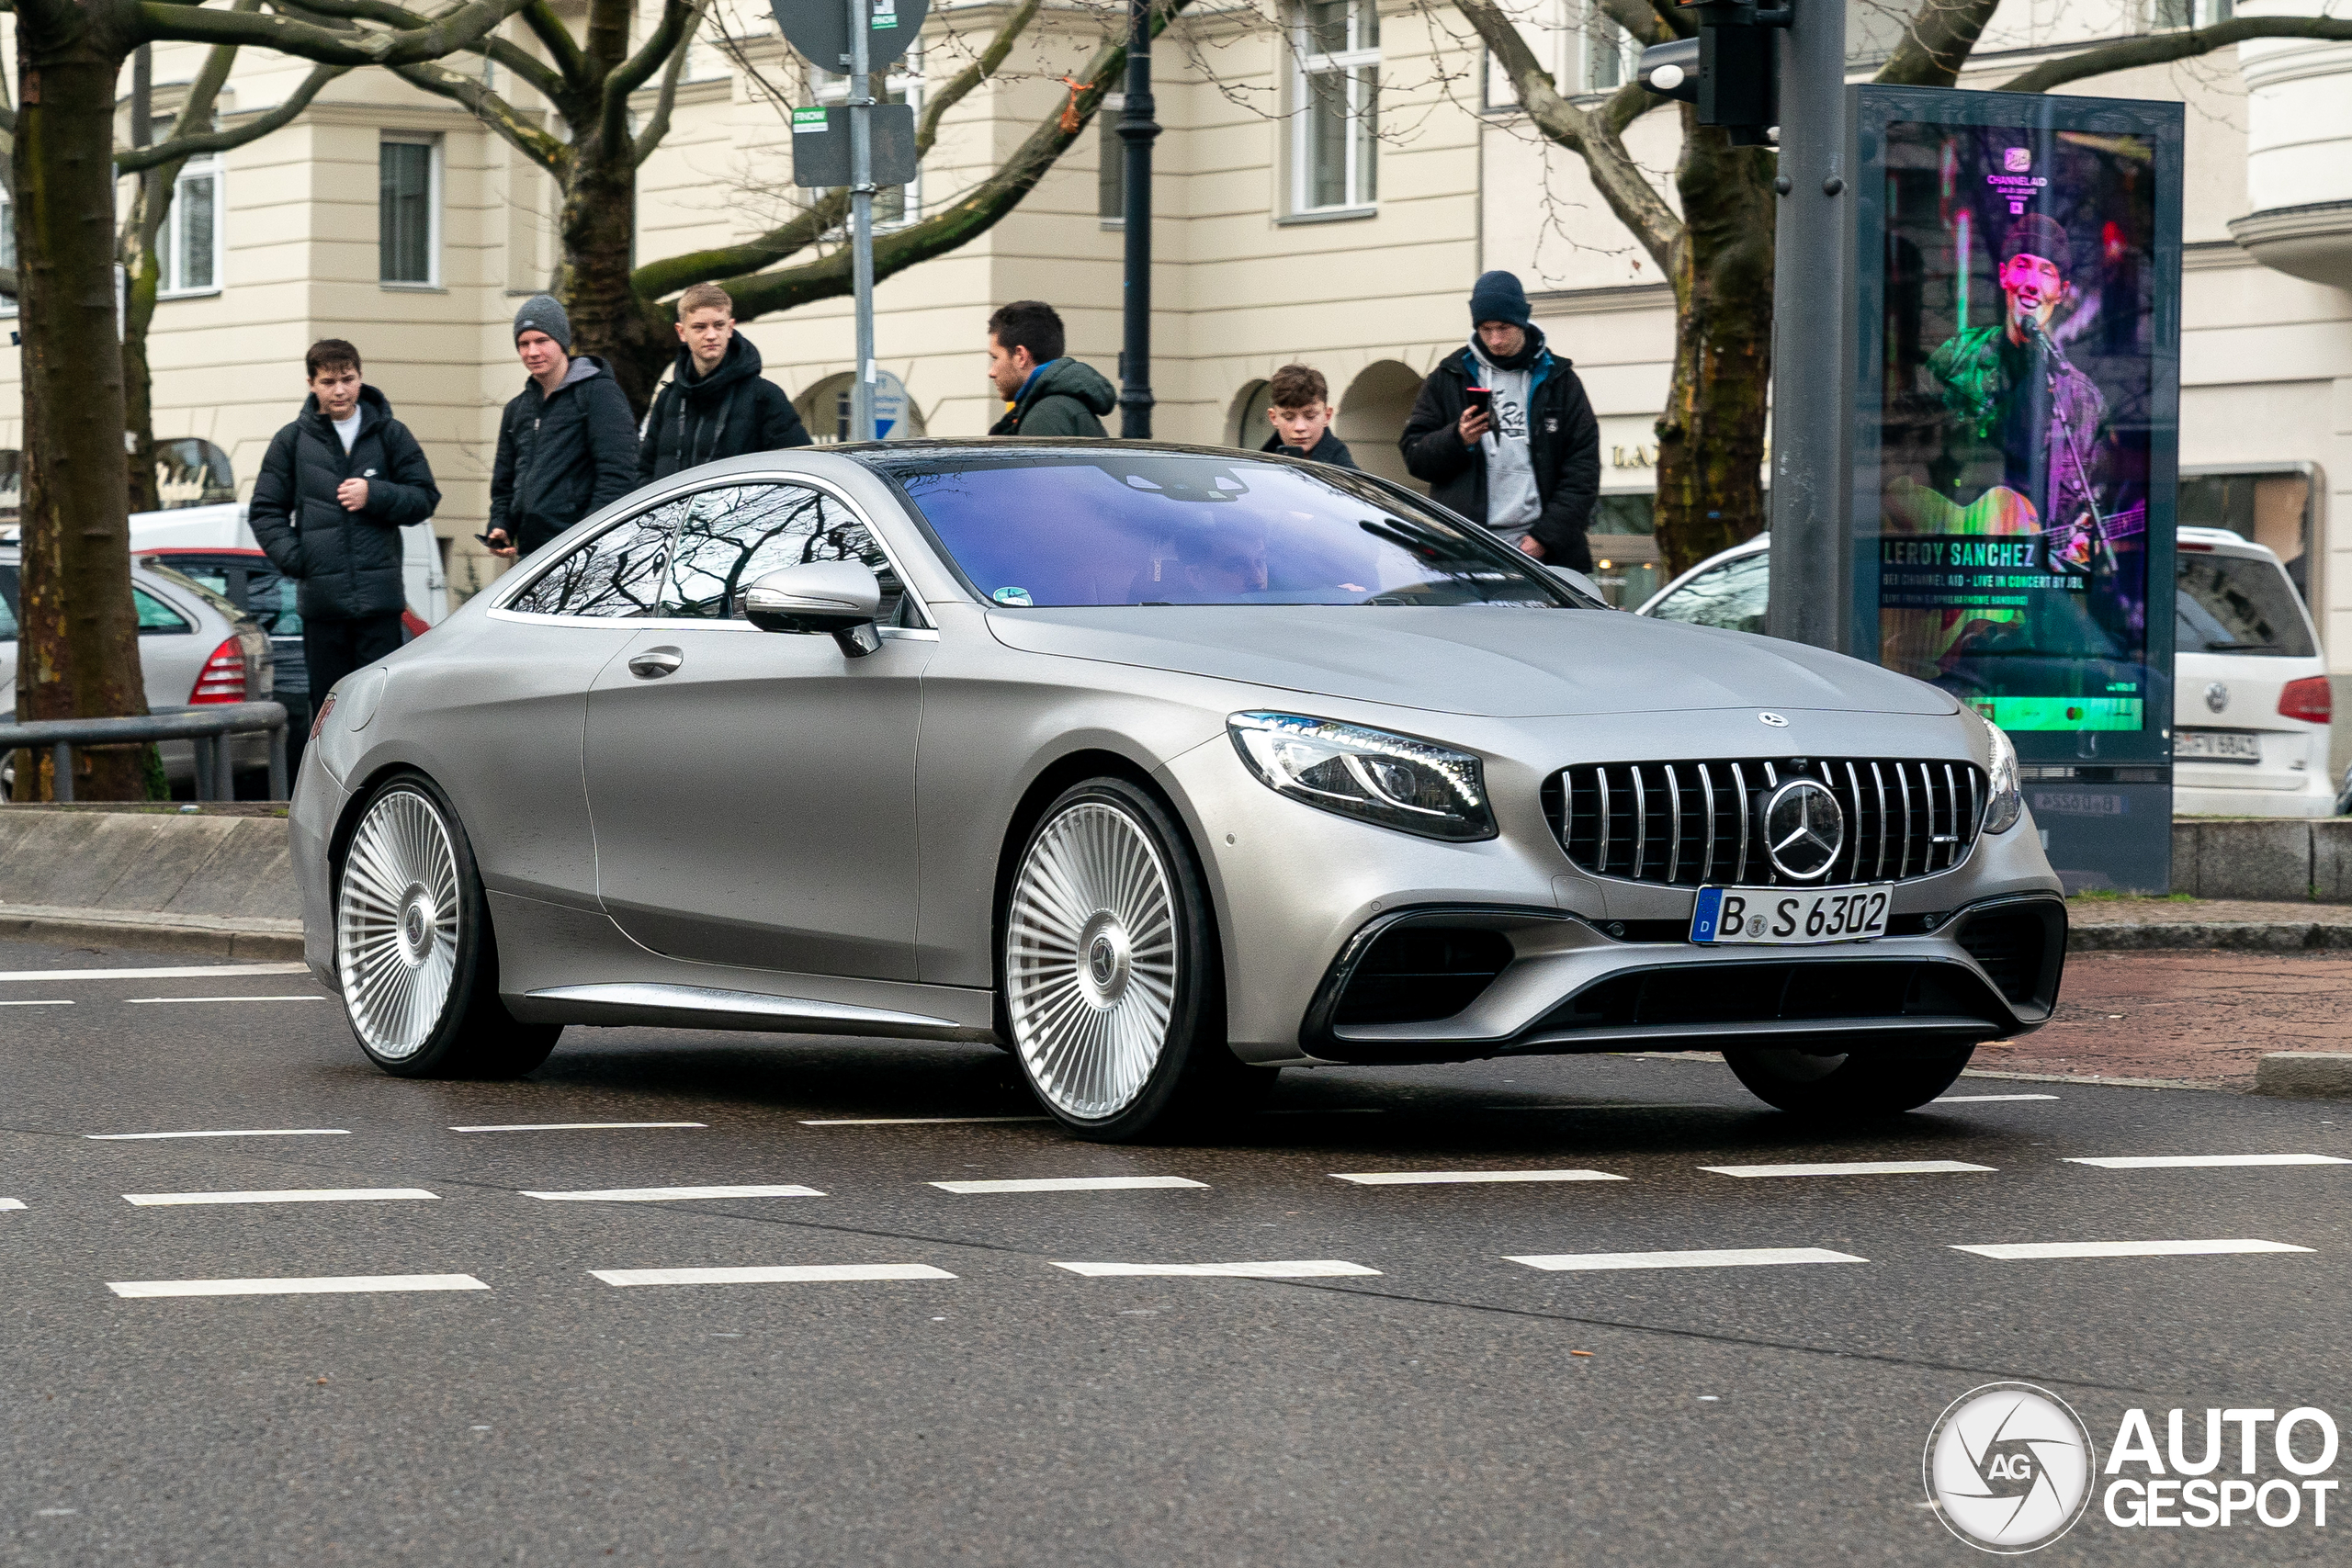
(1048, 394)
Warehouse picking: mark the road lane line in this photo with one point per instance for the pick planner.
(2186, 1162)
(668, 1194)
(916, 1121)
(1852, 1167)
(1446, 1178)
(18, 1004)
(1984, 1099)
(2032, 1250)
(177, 971)
(570, 1126)
(149, 1001)
(1308, 1269)
(11, 1203)
(1734, 1258)
(1069, 1184)
(349, 1284)
(1636, 1105)
(235, 1133)
(289, 1195)
(789, 1274)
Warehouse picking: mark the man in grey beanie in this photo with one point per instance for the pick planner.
(567, 445)
(1503, 433)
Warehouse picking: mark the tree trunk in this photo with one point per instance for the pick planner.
(77, 655)
(597, 229)
(1711, 438)
(144, 277)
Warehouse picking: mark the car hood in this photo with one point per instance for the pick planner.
(1492, 661)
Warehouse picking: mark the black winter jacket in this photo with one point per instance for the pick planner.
(348, 563)
(1329, 449)
(561, 454)
(1563, 445)
(1069, 398)
(700, 419)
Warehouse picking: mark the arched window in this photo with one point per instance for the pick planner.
(1372, 411)
(191, 471)
(1245, 425)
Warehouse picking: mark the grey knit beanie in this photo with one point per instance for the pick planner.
(541, 313)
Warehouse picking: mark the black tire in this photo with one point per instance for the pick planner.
(1863, 1084)
(409, 912)
(1063, 971)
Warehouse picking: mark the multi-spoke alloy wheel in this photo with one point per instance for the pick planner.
(396, 924)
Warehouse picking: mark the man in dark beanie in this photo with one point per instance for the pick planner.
(1503, 433)
(567, 443)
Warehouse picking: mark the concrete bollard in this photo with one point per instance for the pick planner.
(2305, 1075)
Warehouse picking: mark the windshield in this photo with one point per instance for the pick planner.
(2237, 604)
(1137, 527)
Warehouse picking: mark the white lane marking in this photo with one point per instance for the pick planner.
(289, 1195)
(236, 1132)
(15, 1004)
(1656, 1105)
(2184, 1162)
(1309, 1268)
(789, 1274)
(348, 1284)
(2029, 1250)
(1984, 1099)
(1446, 1178)
(1069, 1184)
(1734, 1258)
(570, 1126)
(1330, 1111)
(11, 1203)
(916, 1121)
(1852, 1168)
(181, 972)
(147, 1001)
(667, 1194)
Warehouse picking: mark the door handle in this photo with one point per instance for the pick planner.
(655, 662)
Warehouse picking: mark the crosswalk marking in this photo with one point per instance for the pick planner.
(1309, 1268)
(915, 1121)
(1733, 1257)
(2023, 1251)
(570, 1126)
(1447, 1177)
(2184, 1162)
(1070, 1184)
(233, 1132)
(349, 1284)
(1852, 1168)
(176, 972)
(1985, 1098)
(788, 1274)
(22, 1004)
(292, 1195)
(11, 1203)
(669, 1194)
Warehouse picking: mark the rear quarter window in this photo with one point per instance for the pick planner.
(2238, 605)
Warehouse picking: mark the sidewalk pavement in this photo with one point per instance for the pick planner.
(2124, 925)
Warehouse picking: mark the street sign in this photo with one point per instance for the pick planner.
(820, 146)
(819, 30)
(890, 407)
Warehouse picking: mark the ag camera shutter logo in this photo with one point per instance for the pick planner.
(2008, 1467)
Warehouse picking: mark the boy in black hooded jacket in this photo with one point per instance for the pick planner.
(716, 403)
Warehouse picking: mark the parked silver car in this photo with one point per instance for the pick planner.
(1163, 767)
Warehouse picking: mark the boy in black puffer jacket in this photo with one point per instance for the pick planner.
(717, 404)
(335, 489)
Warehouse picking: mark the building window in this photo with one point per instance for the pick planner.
(1337, 45)
(1110, 168)
(2178, 14)
(1610, 56)
(189, 242)
(893, 205)
(408, 210)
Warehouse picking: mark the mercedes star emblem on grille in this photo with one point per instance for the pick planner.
(1803, 829)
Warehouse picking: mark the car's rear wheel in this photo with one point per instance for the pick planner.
(1108, 969)
(414, 953)
(1869, 1083)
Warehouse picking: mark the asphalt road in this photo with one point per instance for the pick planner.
(1436, 1401)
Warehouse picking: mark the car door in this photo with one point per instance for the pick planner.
(752, 793)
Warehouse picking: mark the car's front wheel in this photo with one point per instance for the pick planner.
(1109, 971)
(415, 955)
(1873, 1083)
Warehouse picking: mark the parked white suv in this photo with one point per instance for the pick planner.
(2250, 693)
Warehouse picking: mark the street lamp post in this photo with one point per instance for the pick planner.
(1136, 130)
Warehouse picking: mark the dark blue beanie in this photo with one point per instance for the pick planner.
(1496, 297)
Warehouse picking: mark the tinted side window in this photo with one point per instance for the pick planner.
(1732, 596)
(729, 539)
(613, 575)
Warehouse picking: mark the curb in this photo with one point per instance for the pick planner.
(2305, 1075)
(2250, 936)
(103, 927)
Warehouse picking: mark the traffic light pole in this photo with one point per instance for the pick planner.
(1812, 304)
(1136, 130)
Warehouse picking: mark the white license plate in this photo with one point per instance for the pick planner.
(2216, 746)
(1775, 916)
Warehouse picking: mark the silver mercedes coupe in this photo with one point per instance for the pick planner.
(1162, 768)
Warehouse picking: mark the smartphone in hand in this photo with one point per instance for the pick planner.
(1479, 396)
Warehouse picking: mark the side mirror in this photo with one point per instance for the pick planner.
(837, 596)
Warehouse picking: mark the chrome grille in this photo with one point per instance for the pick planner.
(1690, 823)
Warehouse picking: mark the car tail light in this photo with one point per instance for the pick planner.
(319, 720)
(2307, 699)
(222, 679)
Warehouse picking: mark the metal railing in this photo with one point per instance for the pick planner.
(209, 726)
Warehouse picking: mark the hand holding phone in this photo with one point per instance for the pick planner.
(1477, 405)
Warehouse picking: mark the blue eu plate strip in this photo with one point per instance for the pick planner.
(1703, 917)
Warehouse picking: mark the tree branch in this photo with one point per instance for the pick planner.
(2156, 49)
(132, 160)
(1937, 43)
(638, 69)
(161, 20)
(957, 88)
(658, 125)
(547, 151)
(1638, 18)
(569, 61)
(504, 51)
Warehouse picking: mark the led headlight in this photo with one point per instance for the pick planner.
(2001, 812)
(1415, 786)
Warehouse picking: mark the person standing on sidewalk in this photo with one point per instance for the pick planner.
(1503, 433)
(1298, 405)
(567, 443)
(335, 489)
(1048, 394)
(717, 404)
